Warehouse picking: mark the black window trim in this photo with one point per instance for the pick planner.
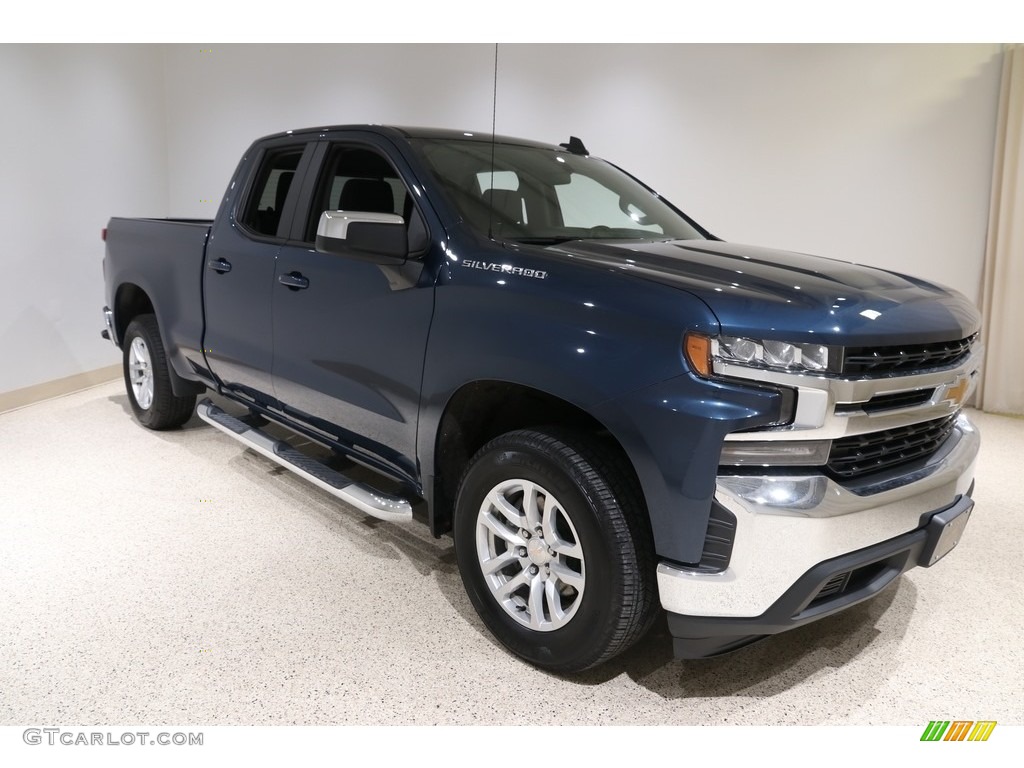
(284, 224)
(318, 165)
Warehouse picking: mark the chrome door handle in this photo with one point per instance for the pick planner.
(294, 281)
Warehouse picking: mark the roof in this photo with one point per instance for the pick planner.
(414, 132)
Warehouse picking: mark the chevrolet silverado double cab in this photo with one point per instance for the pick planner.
(609, 409)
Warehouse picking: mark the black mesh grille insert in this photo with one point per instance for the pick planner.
(853, 457)
(833, 586)
(878, 361)
(847, 582)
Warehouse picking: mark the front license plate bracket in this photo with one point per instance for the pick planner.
(945, 530)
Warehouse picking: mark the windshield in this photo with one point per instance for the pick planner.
(540, 195)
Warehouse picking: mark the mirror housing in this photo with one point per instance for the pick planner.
(376, 237)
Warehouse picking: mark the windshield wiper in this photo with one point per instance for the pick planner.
(544, 240)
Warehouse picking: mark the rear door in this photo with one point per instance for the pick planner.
(349, 343)
(238, 276)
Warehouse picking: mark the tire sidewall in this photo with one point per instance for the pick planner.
(584, 637)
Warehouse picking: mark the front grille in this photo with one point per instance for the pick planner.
(890, 402)
(853, 457)
(879, 361)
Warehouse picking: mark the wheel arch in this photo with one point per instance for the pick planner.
(130, 301)
(481, 410)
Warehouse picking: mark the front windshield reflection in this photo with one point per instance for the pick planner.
(544, 195)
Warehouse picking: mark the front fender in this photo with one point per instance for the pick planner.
(672, 432)
(607, 343)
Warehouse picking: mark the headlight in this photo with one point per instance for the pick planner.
(703, 352)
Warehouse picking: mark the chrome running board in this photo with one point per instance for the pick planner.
(362, 497)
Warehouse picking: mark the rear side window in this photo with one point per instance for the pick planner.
(262, 213)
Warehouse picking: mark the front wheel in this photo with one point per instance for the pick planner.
(553, 548)
(147, 378)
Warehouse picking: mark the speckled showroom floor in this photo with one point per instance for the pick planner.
(178, 578)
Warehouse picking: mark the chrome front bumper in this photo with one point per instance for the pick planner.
(787, 525)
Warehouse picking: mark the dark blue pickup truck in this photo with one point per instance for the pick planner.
(609, 409)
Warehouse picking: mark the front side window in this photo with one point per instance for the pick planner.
(358, 179)
(542, 195)
(262, 212)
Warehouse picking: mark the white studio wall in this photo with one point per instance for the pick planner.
(82, 139)
(221, 98)
(876, 154)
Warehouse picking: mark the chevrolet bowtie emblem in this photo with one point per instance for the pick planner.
(957, 392)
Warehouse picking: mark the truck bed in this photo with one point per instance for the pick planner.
(164, 258)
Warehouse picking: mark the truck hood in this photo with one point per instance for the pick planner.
(766, 293)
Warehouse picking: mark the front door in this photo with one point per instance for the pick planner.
(350, 335)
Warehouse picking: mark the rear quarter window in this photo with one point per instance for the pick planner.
(262, 212)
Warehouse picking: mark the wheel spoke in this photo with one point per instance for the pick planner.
(495, 564)
(565, 548)
(551, 511)
(537, 602)
(496, 527)
(567, 576)
(504, 591)
(554, 602)
(530, 510)
(506, 508)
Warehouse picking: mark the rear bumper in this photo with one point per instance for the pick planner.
(806, 547)
(109, 333)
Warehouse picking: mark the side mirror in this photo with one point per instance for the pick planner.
(376, 237)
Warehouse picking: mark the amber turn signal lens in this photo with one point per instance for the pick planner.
(697, 349)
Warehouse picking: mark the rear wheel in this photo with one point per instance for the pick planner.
(147, 378)
(553, 548)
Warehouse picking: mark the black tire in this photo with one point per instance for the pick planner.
(147, 378)
(594, 500)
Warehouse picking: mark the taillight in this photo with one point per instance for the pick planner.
(103, 234)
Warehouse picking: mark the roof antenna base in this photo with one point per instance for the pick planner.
(575, 146)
